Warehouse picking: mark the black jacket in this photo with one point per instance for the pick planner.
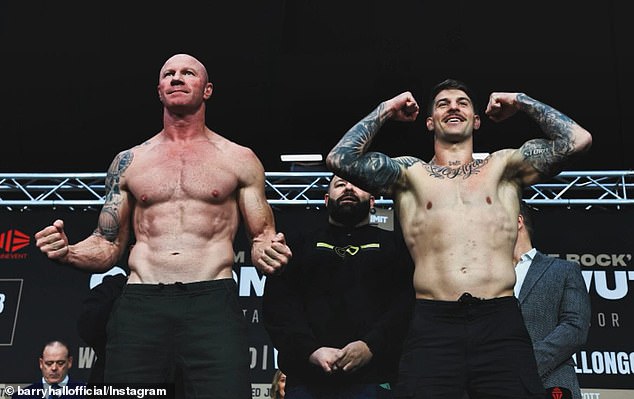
(341, 285)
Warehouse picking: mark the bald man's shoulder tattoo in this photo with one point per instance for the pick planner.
(109, 222)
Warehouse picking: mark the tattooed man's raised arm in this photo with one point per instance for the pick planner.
(542, 157)
(565, 137)
(374, 172)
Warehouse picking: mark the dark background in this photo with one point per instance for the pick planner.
(78, 79)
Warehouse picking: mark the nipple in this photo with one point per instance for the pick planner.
(489, 200)
(144, 198)
(215, 193)
(429, 205)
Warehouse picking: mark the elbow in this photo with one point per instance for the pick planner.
(331, 163)
(581, 335)
(583, 141)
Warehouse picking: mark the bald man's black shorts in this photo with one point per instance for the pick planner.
(194, 334)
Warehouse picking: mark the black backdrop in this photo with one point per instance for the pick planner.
(293, 76)
(41, 300)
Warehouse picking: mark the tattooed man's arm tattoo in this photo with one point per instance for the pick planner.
(372, 171)
(564, 137)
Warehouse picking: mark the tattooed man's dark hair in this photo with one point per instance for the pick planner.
(451, 84)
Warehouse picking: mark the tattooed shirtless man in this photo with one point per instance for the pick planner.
(459, 220)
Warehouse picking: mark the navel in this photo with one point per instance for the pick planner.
(429, 205)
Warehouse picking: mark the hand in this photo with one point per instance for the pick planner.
(272, 256)
(354, 356)
(52, 241)
(501, 106)
(402, 108)
(326, 358)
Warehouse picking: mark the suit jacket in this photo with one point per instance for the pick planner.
(38, 385)
(556, 309)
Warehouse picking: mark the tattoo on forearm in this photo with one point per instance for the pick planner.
(547, 155)
(441, 172)
(108, 225)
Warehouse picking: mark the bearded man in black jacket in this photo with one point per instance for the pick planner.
(339, 311)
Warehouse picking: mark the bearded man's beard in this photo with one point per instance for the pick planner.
(349, 214)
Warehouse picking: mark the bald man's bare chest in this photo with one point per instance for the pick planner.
(196, 174)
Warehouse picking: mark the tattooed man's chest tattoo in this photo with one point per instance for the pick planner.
(466, 170)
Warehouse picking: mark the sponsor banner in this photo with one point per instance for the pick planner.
(604, 363)
(42, 299)
(10, 295)
(600, 240)
(260, 391)
(597, 393)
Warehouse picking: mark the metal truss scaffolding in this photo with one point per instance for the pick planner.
(24, 191)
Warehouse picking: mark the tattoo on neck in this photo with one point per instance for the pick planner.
(466, 170)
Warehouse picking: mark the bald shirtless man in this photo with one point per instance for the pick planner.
(459, 220)
(182, 193)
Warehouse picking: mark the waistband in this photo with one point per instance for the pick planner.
(180, 288)
(466, 299)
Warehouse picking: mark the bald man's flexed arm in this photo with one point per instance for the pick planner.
(373, 171)
(101, 250)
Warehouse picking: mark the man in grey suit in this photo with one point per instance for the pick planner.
(555, 305)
